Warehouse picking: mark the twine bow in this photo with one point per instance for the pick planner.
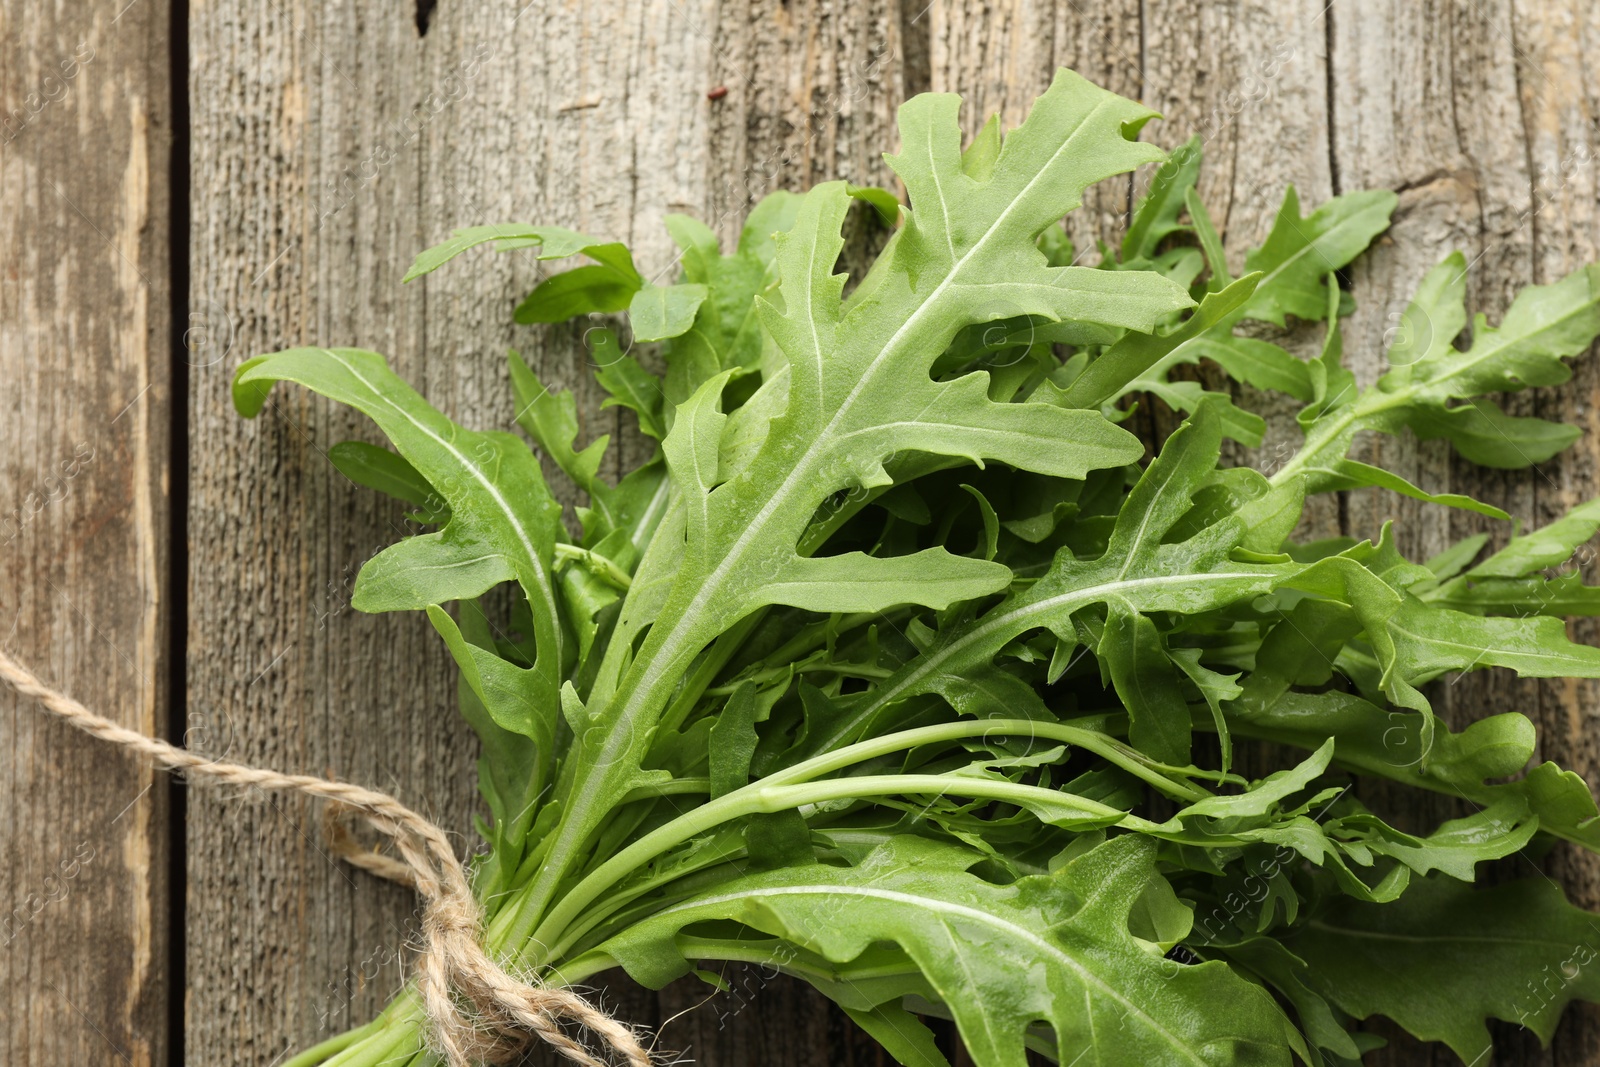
(478, 1010)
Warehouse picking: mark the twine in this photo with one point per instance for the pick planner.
(479, 1011)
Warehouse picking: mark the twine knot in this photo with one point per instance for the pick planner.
(479, 1011)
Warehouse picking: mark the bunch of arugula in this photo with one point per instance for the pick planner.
(887, 669)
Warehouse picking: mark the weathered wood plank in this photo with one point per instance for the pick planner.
(1483, 116)
(330, 144)
(1558, 87)
(311, 146)
(300, 234)
(85, 352)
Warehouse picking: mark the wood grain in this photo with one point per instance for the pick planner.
(84, 390)
(305, 211)
(330, 144)
(1484, 117)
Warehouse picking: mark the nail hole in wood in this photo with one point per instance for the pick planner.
(424, 15)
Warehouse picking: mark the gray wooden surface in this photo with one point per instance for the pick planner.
(329, 142)
(85, 398)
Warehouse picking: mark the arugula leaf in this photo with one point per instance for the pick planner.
(1445, 957)
(551, 419)
(1051, 949)
(609, 284)
(1138, 574)
(658, 312)
(1300, 252)
(897, 668)
(503, 521)
(380, 469)
(1543, 325)
(1156, 216)
(553, 242)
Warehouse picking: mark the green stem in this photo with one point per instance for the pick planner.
(395, 1034)
(615, 905)
(793, 787)
(319, 1053)
(1323, 434)
(1161, 367)
(764, 798)
(705, 672)
(598, 565)
(801, 965)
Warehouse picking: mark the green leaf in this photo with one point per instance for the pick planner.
(1254, 362)
(509, 692)
(978, 158)
(1138, 359)
(1210, 242)
(553, 242)
(726, 331)
(1459, 845)
(1548, 547)
(1453, 560)
(1143, 674)
(658, 312)
(1243, 426)
(592, 290)
(1301, 251)
(733, 735)
(1052, 949)
(1156, 216)
(1444, 958)
(503, 522)
(1544, 325)
(1484, 434)
(380, 469)
(901, 1034)
(855, 581)
(551, 419)
(692, 450)
(882, 201)
(1350, 474)
(1324, 1027)
(1216, 689)
(511, 771)
(1430, 641)
(1263, 797)
(773, 214)
(1399, 745)
(630, 385)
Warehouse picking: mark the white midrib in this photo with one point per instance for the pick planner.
(664, 657)
(977, 915)
(802, 469)
(1498, 343)
(489, 487)
(928, 664)
(1380, 402)
(657, 502)
(1558, 657)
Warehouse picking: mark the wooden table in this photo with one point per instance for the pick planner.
(188, 185)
